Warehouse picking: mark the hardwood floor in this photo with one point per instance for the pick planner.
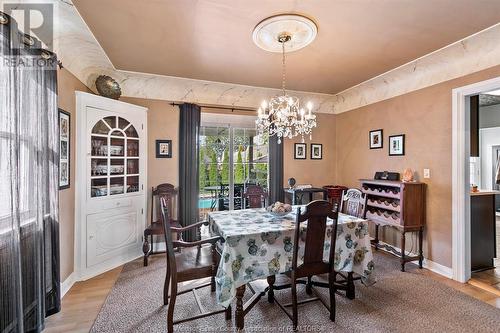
(82, 303)
(488, 280)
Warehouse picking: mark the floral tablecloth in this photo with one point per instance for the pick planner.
(258, 244)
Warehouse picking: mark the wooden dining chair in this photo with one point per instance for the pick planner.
(255, 196)
(169, 193)
(194, 261)
(353, 202)
(315, 214)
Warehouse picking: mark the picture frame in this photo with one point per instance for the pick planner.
(316, 151)
(397, 145)
(376, 139)
(64, 149)
(300, 151)
(163, 148)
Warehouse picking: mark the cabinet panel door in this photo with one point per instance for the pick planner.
(112, 233)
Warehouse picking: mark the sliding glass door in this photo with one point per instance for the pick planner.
(231, 158)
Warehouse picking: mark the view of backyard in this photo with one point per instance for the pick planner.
(226, 151)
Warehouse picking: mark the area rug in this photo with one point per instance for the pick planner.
(398, 302)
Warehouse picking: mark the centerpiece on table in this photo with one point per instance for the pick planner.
(279, 209)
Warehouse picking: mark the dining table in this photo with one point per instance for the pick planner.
(258, 245)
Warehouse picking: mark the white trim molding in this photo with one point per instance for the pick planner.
(67, 284)
(460, 176)
(428, 264)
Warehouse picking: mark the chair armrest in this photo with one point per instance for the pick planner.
(211, 240)
(191, 226)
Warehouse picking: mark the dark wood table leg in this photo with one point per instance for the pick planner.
(403, 251)
(376, 237)
(351, 289)
(240, 314)
(294, 202)
(270, 293)
(420, 250)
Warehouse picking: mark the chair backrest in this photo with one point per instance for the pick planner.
(164, 213)
(353, 202)
(316, 213)
(168, 192)
(255, 196)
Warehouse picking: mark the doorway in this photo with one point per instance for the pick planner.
(467, 171)
(232, 157)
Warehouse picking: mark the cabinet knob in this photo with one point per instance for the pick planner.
(91, 237)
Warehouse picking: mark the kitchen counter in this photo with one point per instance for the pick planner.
(485, 192)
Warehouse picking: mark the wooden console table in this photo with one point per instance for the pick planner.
(294, 192)
(398, 205)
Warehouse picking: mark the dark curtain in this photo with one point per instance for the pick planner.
(189, 131)
(29, 155)
(275, 170)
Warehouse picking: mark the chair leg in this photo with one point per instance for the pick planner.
(145, 249)
(212, 283)
(309, 285)
(270, 293)
(166, 286)
(171, 305)
(332, 277)
(229, 314)
(294, 304)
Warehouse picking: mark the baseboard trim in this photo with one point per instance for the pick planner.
(67, 284)
(428, 264)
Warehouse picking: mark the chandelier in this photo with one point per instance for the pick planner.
(283, 115)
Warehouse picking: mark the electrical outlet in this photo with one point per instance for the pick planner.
(427, 173)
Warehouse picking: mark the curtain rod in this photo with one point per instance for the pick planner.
(222, 107)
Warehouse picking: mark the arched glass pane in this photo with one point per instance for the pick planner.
(117, 133)
(122, 123)
(111, 120)
(131, 132)
(100, 128)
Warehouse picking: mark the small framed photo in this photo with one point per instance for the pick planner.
(64, 149)
(163, 148)
(376, 139)
(300, 151)
(397, 145)
(316, 151)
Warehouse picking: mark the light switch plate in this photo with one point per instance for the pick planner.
(427, 173)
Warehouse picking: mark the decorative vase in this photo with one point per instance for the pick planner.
(108, 87)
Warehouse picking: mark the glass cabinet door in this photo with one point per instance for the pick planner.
(114, 161)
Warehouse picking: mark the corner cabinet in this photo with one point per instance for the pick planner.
(111, 157)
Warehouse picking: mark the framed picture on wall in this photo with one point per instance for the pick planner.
(300, 151)
(376, 139)
(64, 149)
(163, 148)
(397, 145)
(316, 151)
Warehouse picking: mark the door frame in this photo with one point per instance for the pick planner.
(461, 246)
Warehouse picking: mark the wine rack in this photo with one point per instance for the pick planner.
(400, 205)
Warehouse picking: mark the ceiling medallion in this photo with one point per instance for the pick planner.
(283, 116)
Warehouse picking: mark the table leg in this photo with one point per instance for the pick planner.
(403, 239)
(240, 315)
(270, 293)
(420, 243)
(293, 198)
